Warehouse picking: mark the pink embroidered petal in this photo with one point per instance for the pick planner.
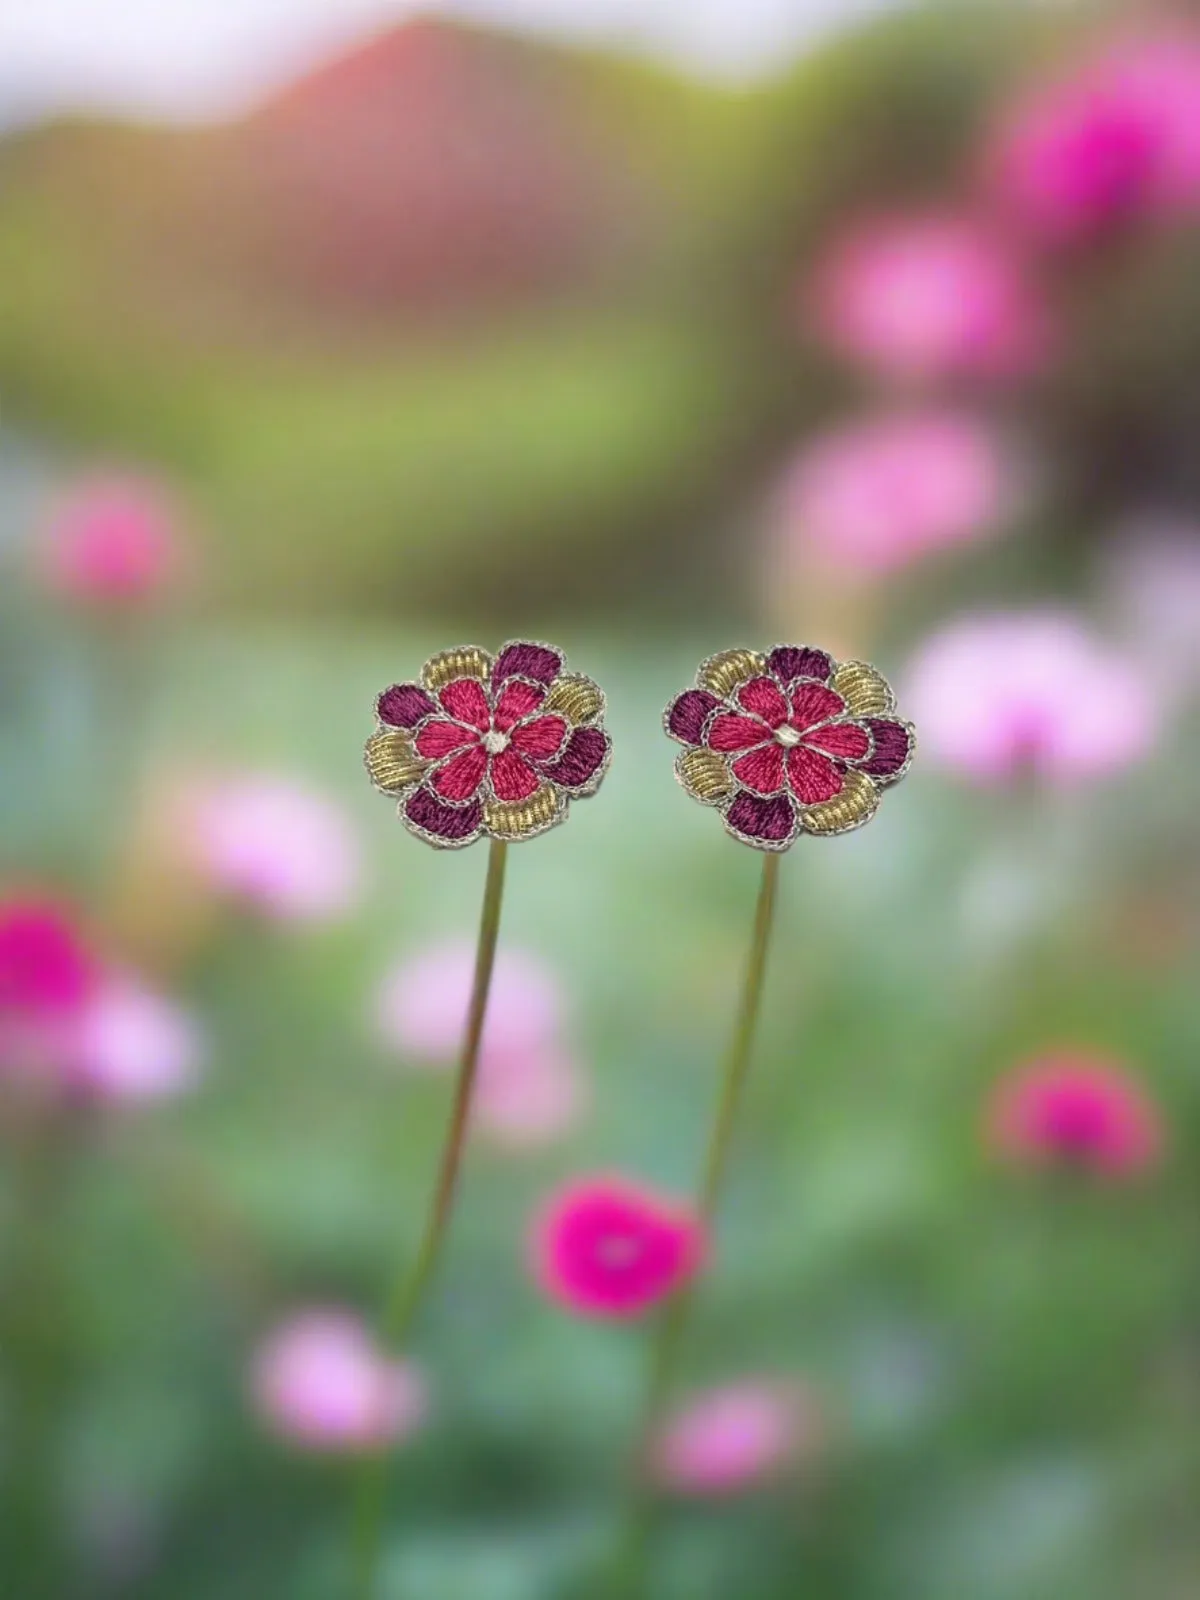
(771, 821)
(893, 744)
(732, 732)
(586, 752)
(763, 697)
(512, 777)
(686, 718)
(812, 776)
(403, 705)
(465, 700)
(846, 740)
(438, 739)
(454, 824)
(535, 661)
(540, 739)
(516, 700)
(761, 769)
(789, 662)
(462, 774)
(812, 703)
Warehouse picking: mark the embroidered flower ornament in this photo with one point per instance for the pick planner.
(484, 746)
(788, 742)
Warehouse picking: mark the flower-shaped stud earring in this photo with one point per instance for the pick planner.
(486, 746)
(480, 746)
(788, 742)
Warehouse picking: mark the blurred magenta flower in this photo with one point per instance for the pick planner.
(279, 847)
(529, 1098)
(421, 1008)
(1001, 695)
(928, 295)
(880, 493)
(47, 969)
(320, 1382)
(1112, 141)
(606, 1247)
(734, 1438)
(129, 1045)
(1071, 1107)
(112, 540)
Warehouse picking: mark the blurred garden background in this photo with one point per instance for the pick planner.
(651, 333)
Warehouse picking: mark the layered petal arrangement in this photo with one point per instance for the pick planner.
(485, 746)
(788, 742)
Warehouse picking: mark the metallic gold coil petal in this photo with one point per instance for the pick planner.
(856, 804)
(524, 818)
(467, 661)
(705, 775)
(575, 697)
(865, 691)
(723, 673)
(392, 762)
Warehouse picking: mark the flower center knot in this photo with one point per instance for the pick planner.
(494, 742)
(787, 736)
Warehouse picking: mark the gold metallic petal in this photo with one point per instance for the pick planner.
(392, 762)
(467, 661)
(575, 697)
(865, 691)
(855, 805)
(523, 818)
(705, 775)
(723, 673)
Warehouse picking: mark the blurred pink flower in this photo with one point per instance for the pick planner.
(112, 540)
(731, 1439)
(928, 295)
(1113, 140)
(528, 1098)
(129, 1045)
(999, 695)
(1152, 583)
(278, 846)
(605, 1247)
(881, 493)
(48, 974)
(320, 1382)
(422, 1004)
(1075, 1108)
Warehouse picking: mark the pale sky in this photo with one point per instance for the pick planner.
(200, 58)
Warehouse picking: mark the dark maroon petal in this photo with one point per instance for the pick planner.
(403, 705)
(579, 762)
(798, 661)
(536, 661)
(893, 742)
(770, 820)
(426, 811)
(686, 718)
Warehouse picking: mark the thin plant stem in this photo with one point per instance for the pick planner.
(673, 1325)
(408, 1290)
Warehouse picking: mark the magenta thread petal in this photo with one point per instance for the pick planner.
(770, 820)
(730, 732)
(465, 700)
(761, 769)
(516, 700)
(846, 740)
(586, 751)
(892, 744)
(812, 703)
(540, 739)
(439, 738)
(424, 810)
(763, 697)
(513, 779)
(462, 774)
(535, 661)
(404, 704)
(813, 777)
(686, 718)
(790, 661)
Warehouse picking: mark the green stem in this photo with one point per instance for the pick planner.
(408, 1290)
(672, 1328)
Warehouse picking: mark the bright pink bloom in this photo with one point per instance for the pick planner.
(925, 296)
(130, 1045)
(529, 1099)
(881, 493)
(320, 1382)
(46, 967)
(605, 1247)
(734, 1438)
(1115, 140)
(422, 1004)
(1000, 695)
(112, 540)
(1074, 1108)
(281, 848)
